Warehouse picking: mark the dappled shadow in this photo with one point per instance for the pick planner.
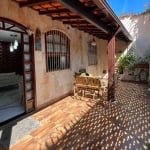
(120, 125)
(5, 136)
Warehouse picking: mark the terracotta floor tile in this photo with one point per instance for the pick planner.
(85, 124)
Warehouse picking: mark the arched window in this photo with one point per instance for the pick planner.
(57, 51)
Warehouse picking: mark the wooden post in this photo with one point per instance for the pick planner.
(111, 65)
(111, 69)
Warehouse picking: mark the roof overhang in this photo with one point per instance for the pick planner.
(92, 16)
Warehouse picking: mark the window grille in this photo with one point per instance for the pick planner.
(92, 54)
(57, 51)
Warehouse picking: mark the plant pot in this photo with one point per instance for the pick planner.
(142, 65)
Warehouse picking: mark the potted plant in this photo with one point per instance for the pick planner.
(126, 61)
(143, 62)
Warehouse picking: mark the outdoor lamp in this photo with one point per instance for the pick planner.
(104, 71)
(93, 42)
(29, 31)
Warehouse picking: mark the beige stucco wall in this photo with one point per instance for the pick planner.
(52, 85)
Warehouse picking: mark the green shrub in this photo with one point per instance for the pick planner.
(126, 61)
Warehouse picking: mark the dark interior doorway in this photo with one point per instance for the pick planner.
(16, 70)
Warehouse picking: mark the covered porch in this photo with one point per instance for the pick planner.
(56, 39)
(86, 124)
(101, 33)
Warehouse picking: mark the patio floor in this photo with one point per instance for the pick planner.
(87, 124)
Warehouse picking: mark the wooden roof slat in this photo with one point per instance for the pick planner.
(75, 22)
(85, 15)
(76, 6)
(54, 11)
(83, 27)
(34, 3)
(65, 17)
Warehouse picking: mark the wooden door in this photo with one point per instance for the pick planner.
(28, 69)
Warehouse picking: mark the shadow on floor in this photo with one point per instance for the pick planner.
(5, 136)
(121, 125)
(15, 129)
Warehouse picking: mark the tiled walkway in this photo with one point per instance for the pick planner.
(94, 125)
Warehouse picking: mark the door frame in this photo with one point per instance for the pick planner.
(30, 105)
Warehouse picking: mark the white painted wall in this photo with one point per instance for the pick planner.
(139, 28)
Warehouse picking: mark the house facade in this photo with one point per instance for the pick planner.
(55, 40)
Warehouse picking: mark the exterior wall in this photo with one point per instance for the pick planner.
(52, 85)
(138, 27)
(120, 48)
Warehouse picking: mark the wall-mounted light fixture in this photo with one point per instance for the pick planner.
(13, 45)
(29, 31)
(104, 71)
(93, 42)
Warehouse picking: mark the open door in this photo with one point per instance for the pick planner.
(17, 84)
(28, 62)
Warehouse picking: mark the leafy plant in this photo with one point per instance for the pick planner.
(126, 61)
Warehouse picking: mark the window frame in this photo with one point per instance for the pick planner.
(58, 51)
(92, 54)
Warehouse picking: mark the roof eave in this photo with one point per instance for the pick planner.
(110, 11)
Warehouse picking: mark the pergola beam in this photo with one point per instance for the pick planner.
(65, 17)
(84, 25)
(78, 8)
(49, 12)
(75, 22)
(34, 3)
(84, 28)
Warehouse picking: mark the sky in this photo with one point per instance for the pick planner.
(121, 7)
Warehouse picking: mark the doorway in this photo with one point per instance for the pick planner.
(16, 70)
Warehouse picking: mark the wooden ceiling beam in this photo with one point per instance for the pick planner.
(79, 9)
(75, 22)
(65, 17)
(94, 31)
(92, 8)
(57, 11)
(83, 28)
(34, 3)
(80, 25)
